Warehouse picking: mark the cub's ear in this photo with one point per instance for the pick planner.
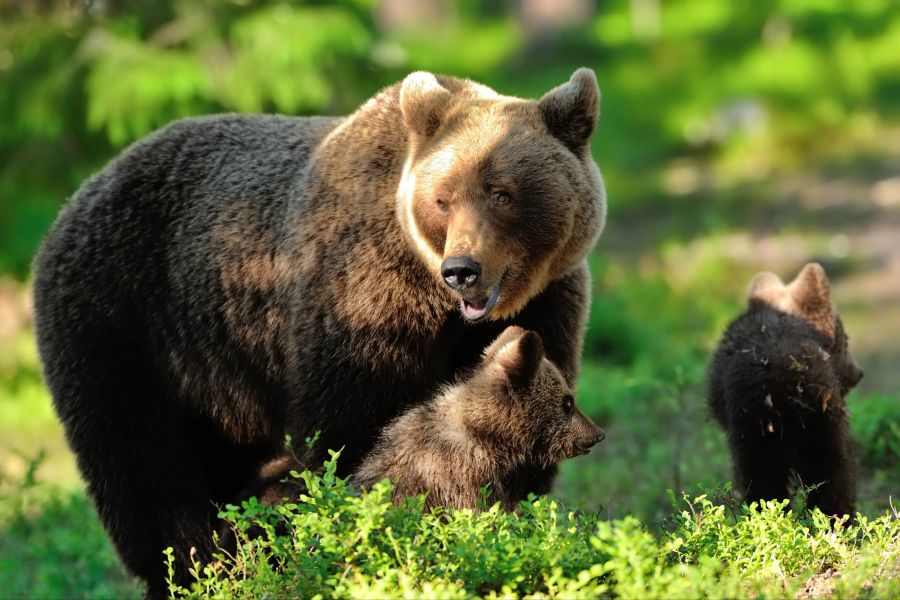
(423, 103)
(509, 335)
(766, 288)
(811, 290)
(810, 295)
(571, 110)
(521, 359)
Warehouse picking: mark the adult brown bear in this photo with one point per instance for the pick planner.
(232, 279)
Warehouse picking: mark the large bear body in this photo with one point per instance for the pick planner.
(232, 279)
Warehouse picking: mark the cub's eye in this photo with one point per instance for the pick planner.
(568, 403)
(442, 205)
(502, 198)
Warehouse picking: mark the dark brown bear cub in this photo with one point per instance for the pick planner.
(516, 409)
(778, 384)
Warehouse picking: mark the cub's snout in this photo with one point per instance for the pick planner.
(588, 434)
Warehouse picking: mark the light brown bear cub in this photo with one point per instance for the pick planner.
(515, 409)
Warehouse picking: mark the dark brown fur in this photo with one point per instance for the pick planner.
(778, 385)
(231, 279)
(516, 409)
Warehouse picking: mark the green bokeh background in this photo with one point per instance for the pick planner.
(734, 137)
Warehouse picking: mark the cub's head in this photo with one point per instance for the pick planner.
(499, 195)
(520, 398)
(808, 296)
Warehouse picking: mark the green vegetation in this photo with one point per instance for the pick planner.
(52, 546)
(332, 542)
(733, 137)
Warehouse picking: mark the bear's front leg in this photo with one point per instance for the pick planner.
(829, 465)
(761, 469)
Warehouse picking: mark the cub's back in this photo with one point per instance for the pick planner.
(767, 353)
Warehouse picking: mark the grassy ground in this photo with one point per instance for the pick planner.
(668, 278)
(337, 544)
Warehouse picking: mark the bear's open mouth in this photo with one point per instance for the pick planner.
(475, 309)
(582, 450)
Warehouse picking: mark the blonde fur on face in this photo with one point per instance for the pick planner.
(466, 140)
(405, 197)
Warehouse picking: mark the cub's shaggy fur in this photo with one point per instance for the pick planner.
(778, 384)
(516, 409)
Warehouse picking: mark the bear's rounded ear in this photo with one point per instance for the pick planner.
(811, 289)
(509, 335)
(810, 294)
(766, 288)
(521, 359)
(571, 110)
(423, 102)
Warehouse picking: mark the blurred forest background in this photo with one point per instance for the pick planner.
(734, 137)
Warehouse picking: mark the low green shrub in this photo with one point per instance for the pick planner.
(335, 542)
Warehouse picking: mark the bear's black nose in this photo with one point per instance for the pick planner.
(460, 272)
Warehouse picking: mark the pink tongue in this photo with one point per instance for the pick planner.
(474, 309)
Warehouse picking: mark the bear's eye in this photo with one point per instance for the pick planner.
(442, 205)
(568, 403)
(502, 198)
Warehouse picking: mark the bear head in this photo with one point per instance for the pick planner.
(808, 296)
(499, 195)
(519, 399)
